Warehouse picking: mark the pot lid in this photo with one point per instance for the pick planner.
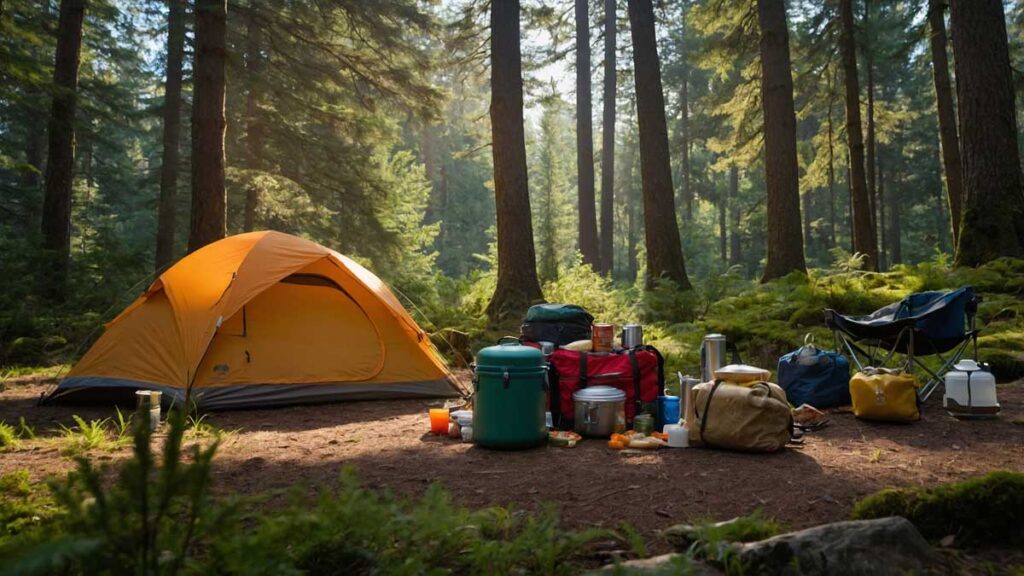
(966, 365)
(509, 353)
(599, 393)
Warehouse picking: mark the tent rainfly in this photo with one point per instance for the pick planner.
(262, 319)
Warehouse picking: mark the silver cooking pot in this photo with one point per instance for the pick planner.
(599, 411)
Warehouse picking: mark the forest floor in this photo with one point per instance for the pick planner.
(270, 452)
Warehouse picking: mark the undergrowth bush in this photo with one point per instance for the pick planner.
(159, 516)
(988, 510)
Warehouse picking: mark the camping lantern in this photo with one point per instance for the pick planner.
(510, 386)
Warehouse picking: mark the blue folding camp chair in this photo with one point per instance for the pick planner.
(939, 324)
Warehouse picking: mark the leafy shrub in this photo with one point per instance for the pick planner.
(152, 520)
(159, 517)
(22, 508)
(361, 531)
(980, 511)
(8, 436)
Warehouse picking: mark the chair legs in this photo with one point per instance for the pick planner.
(910, 361)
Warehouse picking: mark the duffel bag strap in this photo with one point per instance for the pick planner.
(583, 369)
(707, 407)
(554, 395)
(661, 368)
(636, 378)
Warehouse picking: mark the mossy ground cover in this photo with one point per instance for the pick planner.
(984, 511)
(768, 320)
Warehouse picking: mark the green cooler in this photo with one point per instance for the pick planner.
(510, 385)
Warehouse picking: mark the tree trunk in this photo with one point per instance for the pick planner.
(883, 251)
(166, 212)
(993, 220)
(831, 179)
(723, 225)
(735, 255)
(684, 135)
(585, 139)
(864, 239)
(871, 159)
(664, 251)
(56, 221)
(517, 286)
(947, 120)
(607, 259)
(631, 214)
(208, 125)
(253, 123)
(785, 241)
(895, 231)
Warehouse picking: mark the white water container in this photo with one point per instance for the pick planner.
(970, 391)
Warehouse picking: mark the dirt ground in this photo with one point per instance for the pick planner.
(388, 444)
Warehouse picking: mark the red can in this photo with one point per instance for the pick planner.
(603, 337)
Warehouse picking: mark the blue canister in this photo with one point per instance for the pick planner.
(668, 411)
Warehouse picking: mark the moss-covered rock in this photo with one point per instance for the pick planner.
(983, 511)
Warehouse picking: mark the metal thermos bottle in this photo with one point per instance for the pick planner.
(712, 356)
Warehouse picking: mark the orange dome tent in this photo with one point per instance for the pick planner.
(262, 319)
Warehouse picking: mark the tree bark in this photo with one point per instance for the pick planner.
(785, 240)
(949, 140)
(585, 139)
(723, 225)
(735, 250)
(883, 251)
(871, 158)
(631, 213)
(208, 125)
(664, 251)
(684, 135)
(607, 254)
(864, 239)
(56, 220)
(831, 178)
(517, 285)
(167, 209)
(894, 228)
(253, 123)
(993, 220)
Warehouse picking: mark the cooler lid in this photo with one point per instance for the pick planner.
(509, 354)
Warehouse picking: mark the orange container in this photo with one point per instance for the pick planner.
(439, 421)
(603, 337)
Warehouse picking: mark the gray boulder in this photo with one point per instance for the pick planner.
(877, 547)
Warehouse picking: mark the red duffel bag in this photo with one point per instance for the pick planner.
(639, 372)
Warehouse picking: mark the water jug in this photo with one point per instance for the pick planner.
(970, 391)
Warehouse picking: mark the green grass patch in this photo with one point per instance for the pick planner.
(988, 510)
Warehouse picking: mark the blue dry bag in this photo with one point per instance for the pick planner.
(817, 377)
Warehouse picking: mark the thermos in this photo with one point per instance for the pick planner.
(712, 356)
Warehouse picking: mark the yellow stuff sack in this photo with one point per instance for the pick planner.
(883, 396)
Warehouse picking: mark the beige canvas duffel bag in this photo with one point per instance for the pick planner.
(754, 418)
